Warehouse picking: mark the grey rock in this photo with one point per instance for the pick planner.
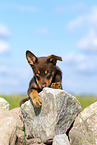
(22, 140)
(20, 137)
(16, 112)
(59, 110)
(4, 104)
(84, 131)
(61, 139)
(34, 141)
(7, 128)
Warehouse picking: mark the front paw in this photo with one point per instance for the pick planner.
(37, 102)
(56, 85)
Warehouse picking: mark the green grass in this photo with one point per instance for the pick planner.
(86, 100)
(14, 100)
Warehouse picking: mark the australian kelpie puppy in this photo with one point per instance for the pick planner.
(46, 74)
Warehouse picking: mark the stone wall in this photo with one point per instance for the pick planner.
(50, 124)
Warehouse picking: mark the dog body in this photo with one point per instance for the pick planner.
(46, 74)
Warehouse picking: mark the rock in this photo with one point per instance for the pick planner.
(22, 140)
(59, 110)
(16, 112)
(85, 127)
(34, 141)
(7, 128)
(61, 139)
(4, 104)
(20, 137)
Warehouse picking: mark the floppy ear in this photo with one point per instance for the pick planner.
(31, 57)
(53, 59)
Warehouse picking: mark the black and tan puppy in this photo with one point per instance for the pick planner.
(46, 74)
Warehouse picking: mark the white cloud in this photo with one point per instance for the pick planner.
(21, 73)
(3, 69)
(86, 23)
(74, 24)
(19, 7)
(43, 31)
(73, 58)
(81, 63)
(4, 46)
(60, 10)
(92, 17)
(4, 32)
(87, 20)
(89, 42)
(87, 67)
(79, 73)
(14, 76)
(9, 81)
(80, 7)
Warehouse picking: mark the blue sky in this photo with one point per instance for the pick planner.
(64, 28)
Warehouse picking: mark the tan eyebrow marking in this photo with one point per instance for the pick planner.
(38, 72)
(45, 72)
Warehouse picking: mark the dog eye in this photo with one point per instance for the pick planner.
(38, 72)
(46, 72)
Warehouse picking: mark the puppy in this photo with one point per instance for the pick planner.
(46, 74)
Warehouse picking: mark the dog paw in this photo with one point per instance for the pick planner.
(37, 102)
(56, 85)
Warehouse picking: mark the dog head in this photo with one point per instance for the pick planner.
(44, 68)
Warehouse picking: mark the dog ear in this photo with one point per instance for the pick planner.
(53, 59)
(31, 58)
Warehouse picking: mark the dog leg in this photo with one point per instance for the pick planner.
(37, 102)
(23, 101)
